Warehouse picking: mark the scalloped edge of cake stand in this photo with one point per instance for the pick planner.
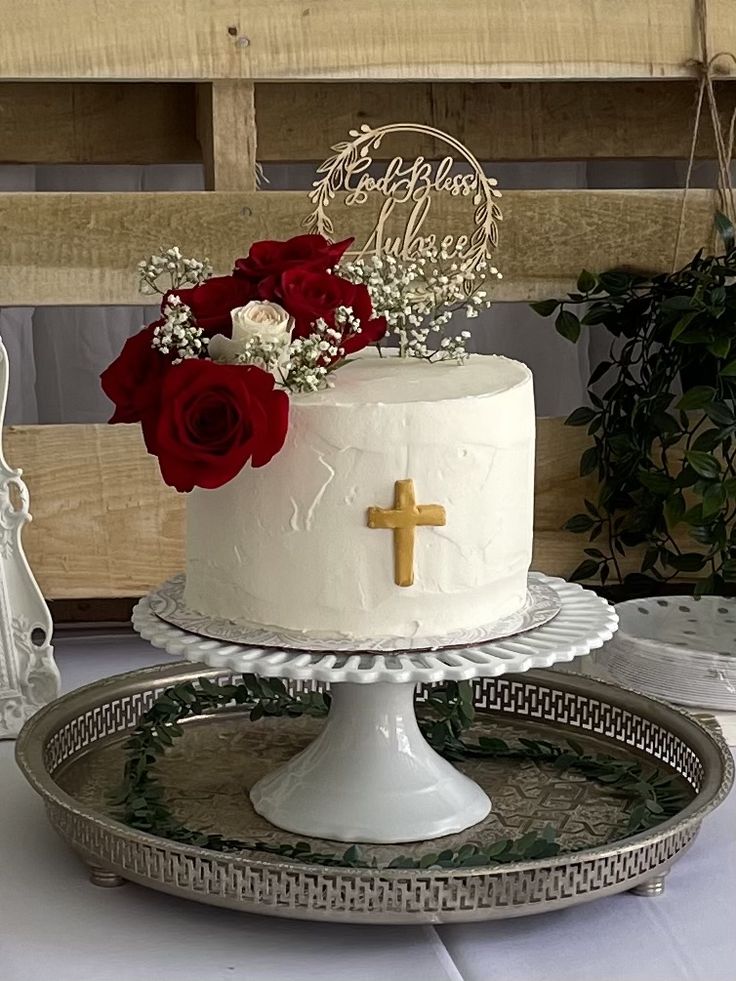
(585, 622)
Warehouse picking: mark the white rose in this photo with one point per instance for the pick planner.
(257, 320)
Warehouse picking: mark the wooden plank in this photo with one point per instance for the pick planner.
(226, 127)
(72, 122)
(105, 525)
(78, 248)
(497, 120)
(135, 123)
(410, 39)
(560, 493)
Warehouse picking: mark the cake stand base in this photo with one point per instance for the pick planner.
(370, 776)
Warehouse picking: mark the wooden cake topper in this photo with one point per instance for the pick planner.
(403, 519)
(408, 189)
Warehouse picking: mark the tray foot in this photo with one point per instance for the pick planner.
(104, 877)
(370, 776)
(652, 887)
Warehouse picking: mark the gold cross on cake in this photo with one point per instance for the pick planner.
(403, 519)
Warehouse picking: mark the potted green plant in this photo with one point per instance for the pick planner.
(663, 429)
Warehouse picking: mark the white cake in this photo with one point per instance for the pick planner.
(288, 546)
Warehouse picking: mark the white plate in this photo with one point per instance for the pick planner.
(679, 648)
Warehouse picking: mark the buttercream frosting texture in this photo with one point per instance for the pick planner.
(288, 546)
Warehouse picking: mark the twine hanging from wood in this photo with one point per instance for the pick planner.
(707, 68)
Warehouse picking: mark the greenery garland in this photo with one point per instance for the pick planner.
(446, 715)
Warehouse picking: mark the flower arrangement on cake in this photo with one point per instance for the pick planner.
(210, 380)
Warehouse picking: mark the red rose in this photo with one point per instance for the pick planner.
(212, 301)
(213, 419)
(133, 380)
(309, 295)
(267, 260)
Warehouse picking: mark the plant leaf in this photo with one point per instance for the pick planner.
(586, 281)
(658, 483)
(568, 325)
(674, 509)
(697, 398)
(586, 570)
(581, 416)
(720, 347)
(687, 562)
(725, 229)
(713, 499)
(682, 324)
(579, 523)
(545, 308)
(589, 461)
(703, 463)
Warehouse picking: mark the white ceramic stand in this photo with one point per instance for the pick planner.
(370, 775)
(383, 779)
(28, 675)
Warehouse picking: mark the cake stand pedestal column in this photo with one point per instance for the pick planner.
(370, 776)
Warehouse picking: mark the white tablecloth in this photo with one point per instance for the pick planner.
(55, 926)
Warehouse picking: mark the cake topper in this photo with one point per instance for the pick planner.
(409, 189)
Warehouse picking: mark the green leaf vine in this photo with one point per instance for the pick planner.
(663, 429)
(444, 719)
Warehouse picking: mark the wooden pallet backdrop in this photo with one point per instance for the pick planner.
(231, 83)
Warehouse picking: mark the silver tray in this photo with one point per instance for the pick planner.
(167, 602)
(71, 754)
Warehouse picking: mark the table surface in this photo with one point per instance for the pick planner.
(55, 926)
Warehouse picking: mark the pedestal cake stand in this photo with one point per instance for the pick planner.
(370, 776)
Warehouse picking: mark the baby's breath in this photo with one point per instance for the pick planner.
(181, 272)
(266, 354)
(420, 296)
(178, 334)
(312, 358)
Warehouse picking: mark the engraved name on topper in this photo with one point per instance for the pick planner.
(407, 191)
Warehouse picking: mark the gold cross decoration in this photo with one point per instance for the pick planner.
(403, 519)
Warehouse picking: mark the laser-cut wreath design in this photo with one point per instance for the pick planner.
(351, 162)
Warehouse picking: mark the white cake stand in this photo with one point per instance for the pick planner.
(370, 776)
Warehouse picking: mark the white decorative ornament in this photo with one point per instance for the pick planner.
(28, 675)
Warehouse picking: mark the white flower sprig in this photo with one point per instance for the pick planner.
(178, 334)
(312, 358)
(182, 272)
(420, 296)
(266, 354)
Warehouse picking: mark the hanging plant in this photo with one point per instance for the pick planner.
(664, 428)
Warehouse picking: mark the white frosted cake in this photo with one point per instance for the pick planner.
(401, 506)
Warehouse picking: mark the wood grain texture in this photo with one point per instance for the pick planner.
(105, 525)
(497, 120)
(226, 128)
(78, 248)
(144, 122)
(104, 123)
(410, 39)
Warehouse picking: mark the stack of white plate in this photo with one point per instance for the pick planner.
(677, 648)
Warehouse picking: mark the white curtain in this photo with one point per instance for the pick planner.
(57, 353)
